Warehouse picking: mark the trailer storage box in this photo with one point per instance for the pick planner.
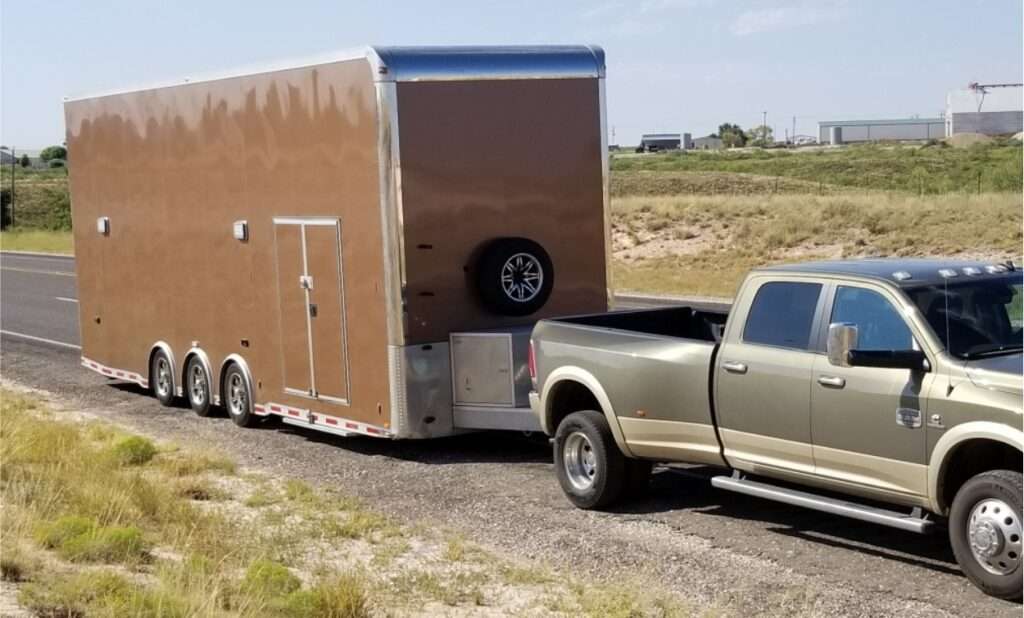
(304, 239)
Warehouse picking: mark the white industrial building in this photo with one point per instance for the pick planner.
(991, 109)
(896, 129)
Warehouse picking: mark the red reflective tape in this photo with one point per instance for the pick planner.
(275, 408)
(351, 426)
(293, 412)
(120, 374)
(259, 408)
(373, 430)
(107, 371)
(331, 421)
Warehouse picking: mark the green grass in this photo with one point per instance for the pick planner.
(912, 169)
(42, 241)
(704, 245)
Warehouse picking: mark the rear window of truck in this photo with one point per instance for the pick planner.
(782, 314)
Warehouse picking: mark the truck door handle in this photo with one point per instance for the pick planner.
(734, 367)
(832, 381)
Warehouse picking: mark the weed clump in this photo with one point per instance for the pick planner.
(134, 451)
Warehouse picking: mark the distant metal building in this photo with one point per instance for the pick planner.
(896, 129)
(991, 109)
(707, 143)
(651, 142)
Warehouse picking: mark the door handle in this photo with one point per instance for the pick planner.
(832, 381)
(734, 367)
(312, 310)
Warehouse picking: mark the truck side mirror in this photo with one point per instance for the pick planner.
(842, 337)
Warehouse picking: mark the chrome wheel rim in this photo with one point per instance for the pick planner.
(579, 460)
(994, 534)
(238, 397)
(197, 385)
(522, 277)
(163, 377)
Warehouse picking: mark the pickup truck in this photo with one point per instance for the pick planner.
(883, 390)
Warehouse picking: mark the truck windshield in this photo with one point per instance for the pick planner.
(974, 319)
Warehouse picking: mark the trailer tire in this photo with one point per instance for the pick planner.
(161, 377)
(238, 397)
(985, 531)
(197, 386)
(589, 466)
(514, 276)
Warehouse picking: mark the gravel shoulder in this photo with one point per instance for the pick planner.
(714, 550)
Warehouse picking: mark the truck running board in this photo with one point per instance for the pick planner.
(913, 522)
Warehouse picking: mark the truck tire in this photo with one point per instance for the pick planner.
(589, 466)
(514, 276)
(161, 377)
(985, 531)
(238, 397)
(197, 386)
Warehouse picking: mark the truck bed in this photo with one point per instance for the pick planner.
(680, 322)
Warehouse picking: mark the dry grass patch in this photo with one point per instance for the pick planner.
(99, 522)
(704, 245)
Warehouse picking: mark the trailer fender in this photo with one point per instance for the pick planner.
(205, 360)
(166, 348)
(238, 360)
(581, 376)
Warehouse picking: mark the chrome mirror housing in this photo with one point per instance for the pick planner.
(842, 337)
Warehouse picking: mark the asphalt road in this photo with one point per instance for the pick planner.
(738, 554)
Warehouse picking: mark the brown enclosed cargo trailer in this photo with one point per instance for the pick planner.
(358, 243)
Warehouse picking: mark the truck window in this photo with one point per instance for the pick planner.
(879, 325)
(782, 314)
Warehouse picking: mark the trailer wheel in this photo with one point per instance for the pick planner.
(161, 377)
(589, 466)
(986, 532)
(238, 397)
(514, 276)
(197, 386)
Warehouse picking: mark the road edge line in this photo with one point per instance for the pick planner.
(62, 344)
(67, 256)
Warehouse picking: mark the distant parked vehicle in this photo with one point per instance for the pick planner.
(897, 381)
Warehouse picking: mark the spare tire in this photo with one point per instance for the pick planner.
(514, 276)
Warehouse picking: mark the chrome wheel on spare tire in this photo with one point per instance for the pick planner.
(986, 532)
(197, 383)
(161, 377)
(514, 276)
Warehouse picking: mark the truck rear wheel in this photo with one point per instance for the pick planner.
(986, 532)
(197, 386)
(589, 466)
(238, 397)
(161, 377)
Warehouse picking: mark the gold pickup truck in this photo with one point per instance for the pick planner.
(834, 386)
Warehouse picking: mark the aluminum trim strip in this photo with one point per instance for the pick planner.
(413, 64)
(111, 372)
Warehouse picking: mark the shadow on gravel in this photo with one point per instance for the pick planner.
(483, 447)
(672, 490)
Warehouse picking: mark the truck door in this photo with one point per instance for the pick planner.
(310, 284)
(867, 423)
(763, 374)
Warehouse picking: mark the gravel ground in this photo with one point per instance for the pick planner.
(735, 554)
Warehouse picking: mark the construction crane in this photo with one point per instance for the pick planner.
(983, 89)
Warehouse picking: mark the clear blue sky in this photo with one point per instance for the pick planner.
(673, 65)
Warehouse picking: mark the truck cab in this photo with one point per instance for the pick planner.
(894, 381)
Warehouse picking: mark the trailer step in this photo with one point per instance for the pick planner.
(912, 522)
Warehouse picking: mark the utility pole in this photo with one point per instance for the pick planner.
(764, 128)
(793, 134)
